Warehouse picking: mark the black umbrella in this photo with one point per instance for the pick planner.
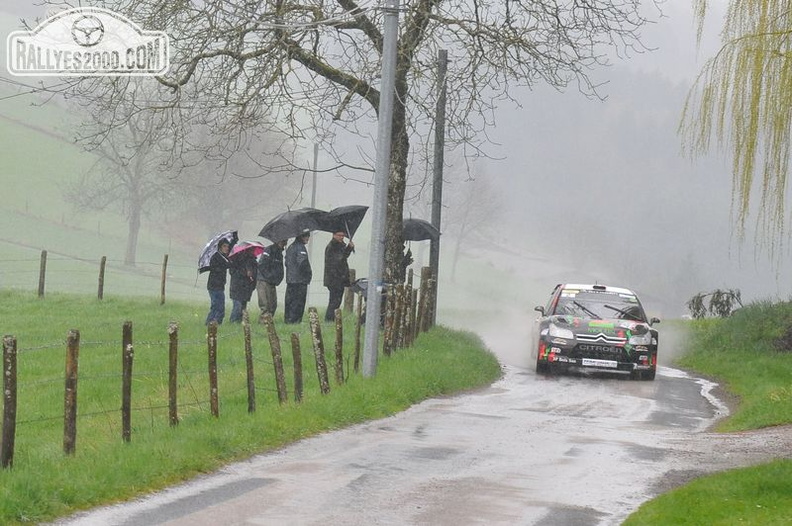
(292, 224)
(211, 247)
(419, 230)
(346, 218)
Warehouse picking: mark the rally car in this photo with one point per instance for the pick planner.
(595, 327)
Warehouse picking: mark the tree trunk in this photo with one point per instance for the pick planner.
(462, 229)
(132, 237)
(397, 183)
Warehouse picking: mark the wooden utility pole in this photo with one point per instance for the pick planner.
(437, 186)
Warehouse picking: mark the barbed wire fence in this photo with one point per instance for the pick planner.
(100, 275)
(173, 389)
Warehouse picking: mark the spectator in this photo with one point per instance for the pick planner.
(298, 277)
(336, 271)
(215, 283)
(406, 261)
(243, 283)
(270, 275)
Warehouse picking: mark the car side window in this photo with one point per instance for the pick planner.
(553, 305)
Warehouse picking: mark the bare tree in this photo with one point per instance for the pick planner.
(311, 68)
(224, 194)
(130, 172)
(142, 169)
(741, 101)
(473, 210)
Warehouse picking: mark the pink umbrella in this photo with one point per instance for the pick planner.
(253, 247)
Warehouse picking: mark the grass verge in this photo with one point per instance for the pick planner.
(45, 484)
(741, 353)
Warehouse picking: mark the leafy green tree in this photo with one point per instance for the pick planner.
(742, 102)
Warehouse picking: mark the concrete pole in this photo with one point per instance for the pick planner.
(381, 177)
(437, 186)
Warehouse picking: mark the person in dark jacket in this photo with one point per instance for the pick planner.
(298, 277)
(336, 271)
(270, 275)
(243, 283)
(215, 284)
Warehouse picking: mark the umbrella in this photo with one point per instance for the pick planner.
(346, 218)
(419, 230)
(211, 247)
(252, 247)
(292, 224)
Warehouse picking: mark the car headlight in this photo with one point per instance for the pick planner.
(560, 332)
(641, 339)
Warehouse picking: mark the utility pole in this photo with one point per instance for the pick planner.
(381, 175)
(313, 187)
(437, 185)
(313, 193)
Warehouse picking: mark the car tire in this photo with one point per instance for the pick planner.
(643, 375)
(542, 367)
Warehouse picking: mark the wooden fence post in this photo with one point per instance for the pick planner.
(358, 324)
(251, 382)
(211, 344)
(9, 401)
(413, 316)
(277, 358)
(173, 366)
(390, 307)
(432, 307)
(162, 279)
(424, 305)
(42, 273)
(102, 265)
(319, 352)
(349, 296)
(339, 347)
(70, 396)
(409, 336)
(127, 356)
(298, 372)
(398, 315)
(405, 315)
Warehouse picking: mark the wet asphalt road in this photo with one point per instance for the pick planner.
(532, 450)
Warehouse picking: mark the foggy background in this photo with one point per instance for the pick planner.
(572, 189)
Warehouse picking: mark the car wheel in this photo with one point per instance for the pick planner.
(542, 367)
(643, 375)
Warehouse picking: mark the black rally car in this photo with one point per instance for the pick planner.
(595, 327)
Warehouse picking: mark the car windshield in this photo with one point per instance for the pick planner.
(599, 305)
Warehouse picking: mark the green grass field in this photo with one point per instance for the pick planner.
(44, 483)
